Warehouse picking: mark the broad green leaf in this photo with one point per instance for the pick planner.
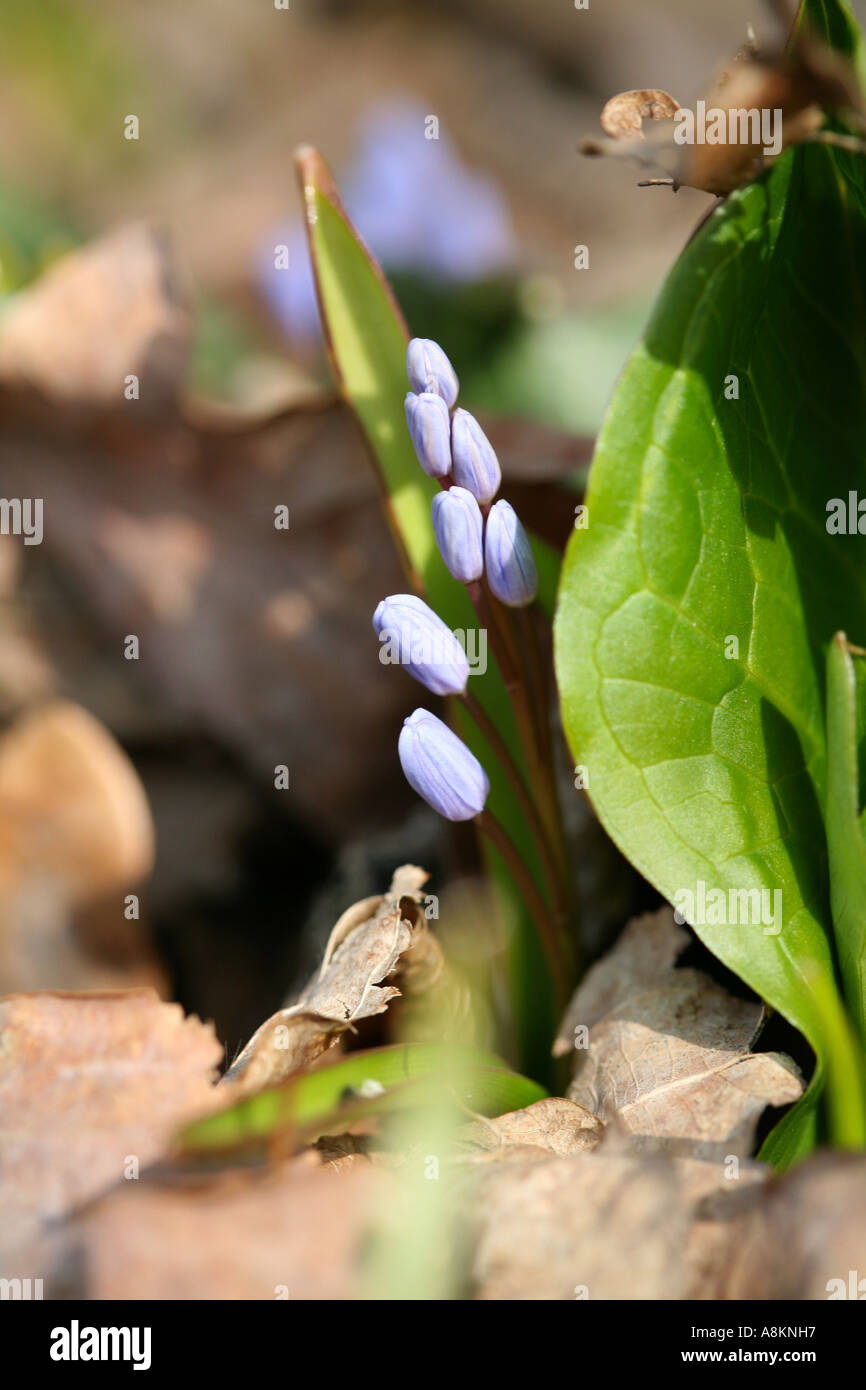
(696, 609)
(367, 340)
(411, 1074)
(845, 840)
(834, 22)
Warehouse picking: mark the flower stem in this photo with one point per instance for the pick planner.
(538, 667)
(555, 948)
(500, 748)
(540, 773)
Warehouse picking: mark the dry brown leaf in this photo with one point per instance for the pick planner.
(667, 1051)
(804, 1239)
(608, 1224)
(589, 1226)
(800, 82)
(74, 826)
(296, 1233)
(624, 115)
(554, 1125)
(165, 557)
(717, 1197)
(364, 951)
(73, 808)
(99, 315)
(89, 1082)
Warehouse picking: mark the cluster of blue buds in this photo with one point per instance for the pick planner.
(477, 537)
(453, 448)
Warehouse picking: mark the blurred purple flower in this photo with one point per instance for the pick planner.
(416, 205)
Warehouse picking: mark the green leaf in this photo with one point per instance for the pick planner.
(834, 22)
(707, 756)
(412, 1074)
(366, 340)
(847, 847)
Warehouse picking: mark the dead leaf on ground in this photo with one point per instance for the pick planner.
(73, 807)
(89, 1083)
(608, 1224)
(364, 951)
(98, 316)
(718, 1197)
(296, 1233)
(580, 1227)
(804, 1238)
(552, 1126)
(74, 826)
(668, 1049)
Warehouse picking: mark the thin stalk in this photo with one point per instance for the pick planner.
(555, 948)
(539, 774)
(506, 659)
(521, 791)
(535, 663)
(536, 679)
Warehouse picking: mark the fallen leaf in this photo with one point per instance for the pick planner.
(297, 1233)
(74, 827)
(607, 1224)
(668, 1050)
(364, 950)
(553, 1125)
(73, 807)
(717, 1195)
(90, 1084)
(164, 556)
(580, 1227)
(98, 316)
(805, 1239)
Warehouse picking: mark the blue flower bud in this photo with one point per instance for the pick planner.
(440, 768)
(430, 427)
(413, 636)
(429, 370)
(474, 462)
(459, 528)
(508, 558)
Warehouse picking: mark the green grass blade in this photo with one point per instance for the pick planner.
(847, 847)
(412, 1075)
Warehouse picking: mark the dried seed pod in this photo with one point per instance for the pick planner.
(623, 116)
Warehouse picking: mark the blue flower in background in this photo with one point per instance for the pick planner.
(416, 205)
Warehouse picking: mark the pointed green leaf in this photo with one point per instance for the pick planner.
(410, 1074)
(847, 846)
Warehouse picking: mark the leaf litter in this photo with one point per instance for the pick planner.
(636, 1185)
